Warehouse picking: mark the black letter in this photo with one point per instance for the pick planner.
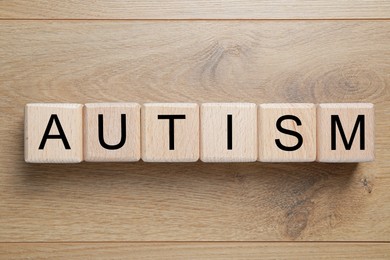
(123, 133)
(335, 120)
(61, 135)
(229, 132)
(171, 127)
(289, 132)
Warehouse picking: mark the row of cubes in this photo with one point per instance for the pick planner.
(187, 132)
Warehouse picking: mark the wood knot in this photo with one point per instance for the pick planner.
(297, 218)
(367, 185)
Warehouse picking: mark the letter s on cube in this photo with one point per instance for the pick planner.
(287, 132)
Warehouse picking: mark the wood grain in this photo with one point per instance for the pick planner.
(194, 9)
(187, 250)
(193, 61)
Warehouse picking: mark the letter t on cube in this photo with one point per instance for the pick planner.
(170, 132)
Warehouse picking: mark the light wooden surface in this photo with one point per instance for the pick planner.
(269, 114)
(157, 145)
(39, 121)
(194, 9)
(190, 250)
(193, 61)
(348, 119)
(162, 62)
(215, 132)
(112, 132)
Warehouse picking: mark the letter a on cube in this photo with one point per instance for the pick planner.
(53, 133)
(345, 132)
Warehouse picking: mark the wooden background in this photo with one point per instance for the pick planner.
(196, 51)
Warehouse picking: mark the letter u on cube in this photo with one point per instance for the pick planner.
(187, 132)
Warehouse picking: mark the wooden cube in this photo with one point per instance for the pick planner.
(345, 132)
(170, 132)
(53, 133)
(228, 132)
(112, 132)
(287, 132)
